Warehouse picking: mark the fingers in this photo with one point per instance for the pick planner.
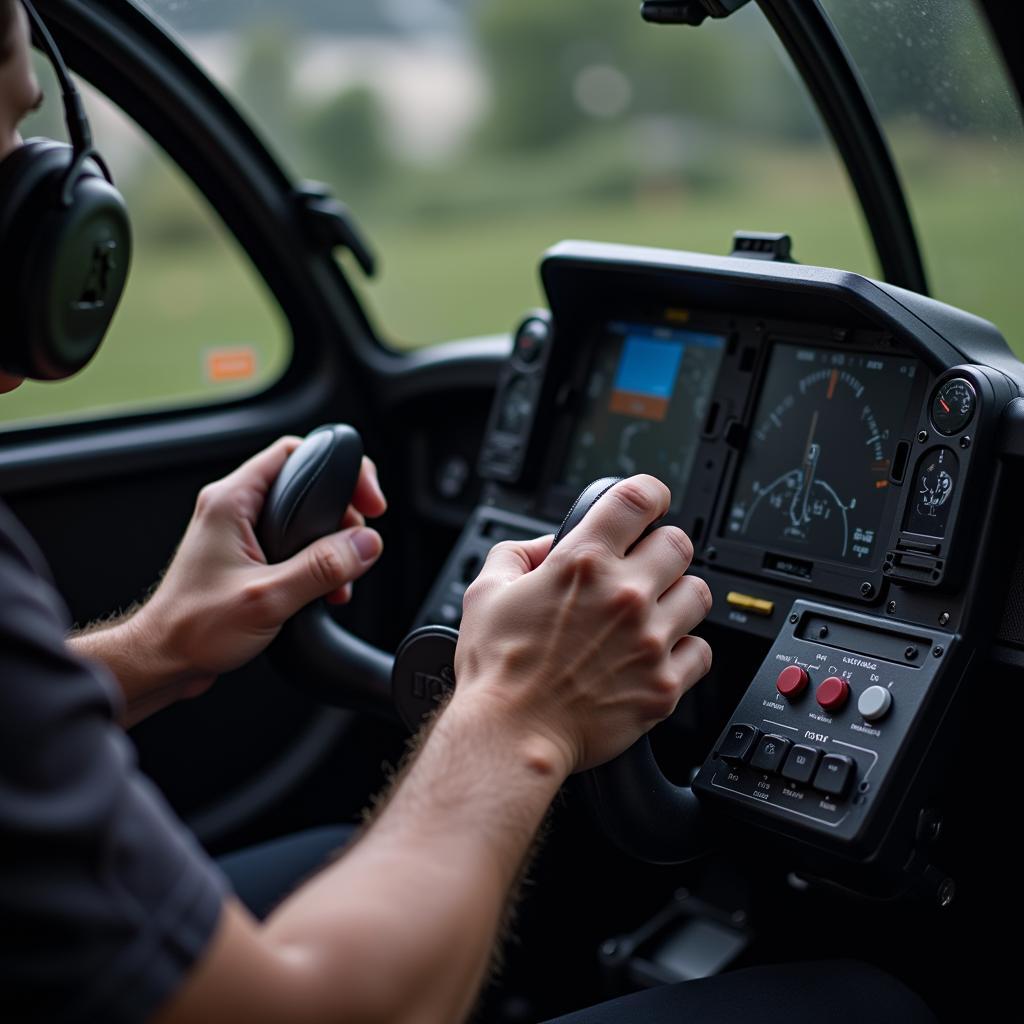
(691, 659)
(683, 606)
(622, 514)
(662, 557)
(368, 497)
(242, 492)
(259, 472)
(351, 518)
(325, 567)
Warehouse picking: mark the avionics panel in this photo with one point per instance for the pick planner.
(644, 403)
(814, 479)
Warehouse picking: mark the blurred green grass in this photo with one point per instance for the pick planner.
(476, 276)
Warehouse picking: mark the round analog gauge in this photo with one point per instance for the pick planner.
(953, 406)
(815, 475)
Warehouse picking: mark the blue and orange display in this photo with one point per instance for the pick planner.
(645, 402)
(649, 367)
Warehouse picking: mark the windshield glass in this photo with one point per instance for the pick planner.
(470, 135)
(949, 111)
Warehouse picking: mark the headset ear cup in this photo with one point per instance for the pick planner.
(80, 257)
(64, 264)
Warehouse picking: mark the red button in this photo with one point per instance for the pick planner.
(833, 693)
(792, 681)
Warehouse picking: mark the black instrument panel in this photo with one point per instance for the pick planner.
(811, 427)
(833, 449)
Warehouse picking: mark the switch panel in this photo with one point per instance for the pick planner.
(821, 743)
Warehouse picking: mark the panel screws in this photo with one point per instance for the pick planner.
(711, 553)
(910, 653)
(965, 442)
(822, 632)
(943, 618)
(938, 651)
(891, 607)
(922, 436)
(794, 618)
(866, 589)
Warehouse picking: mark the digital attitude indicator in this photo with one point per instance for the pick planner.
(814, 478)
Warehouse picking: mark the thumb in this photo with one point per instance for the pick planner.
(326, 565)
(512, 558)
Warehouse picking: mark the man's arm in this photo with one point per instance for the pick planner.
(562, 663)
(219, 603)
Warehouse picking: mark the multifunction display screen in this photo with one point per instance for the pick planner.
(814, 478)
(646, 399)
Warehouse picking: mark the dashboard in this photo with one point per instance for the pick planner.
(832, 448)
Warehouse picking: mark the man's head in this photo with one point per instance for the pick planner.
(19, 94)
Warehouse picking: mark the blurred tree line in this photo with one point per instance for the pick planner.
(569, 81)
(586, 101)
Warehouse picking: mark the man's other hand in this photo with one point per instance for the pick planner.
(220, 603)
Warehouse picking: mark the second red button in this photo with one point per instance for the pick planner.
(832, 693)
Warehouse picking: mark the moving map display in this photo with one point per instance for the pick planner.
(645, 402)
(814, 478)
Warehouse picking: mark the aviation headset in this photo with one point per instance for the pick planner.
(65, 242)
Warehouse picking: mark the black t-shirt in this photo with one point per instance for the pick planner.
(105, 899)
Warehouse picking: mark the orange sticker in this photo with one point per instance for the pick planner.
(230, 364)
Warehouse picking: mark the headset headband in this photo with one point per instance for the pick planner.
(79, 131)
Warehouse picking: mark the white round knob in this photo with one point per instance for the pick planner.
(874, 703)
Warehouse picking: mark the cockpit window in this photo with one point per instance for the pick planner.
(949, 111)
(197, 324)
(469, 135)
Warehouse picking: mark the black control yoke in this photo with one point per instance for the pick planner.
(644, 813)
(306, 502)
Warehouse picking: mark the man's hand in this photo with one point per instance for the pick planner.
(220, 604)
(588, 647)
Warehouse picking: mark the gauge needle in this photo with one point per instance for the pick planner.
(943, 404)
(808, 468)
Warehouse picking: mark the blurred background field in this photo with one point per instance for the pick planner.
(469, 135)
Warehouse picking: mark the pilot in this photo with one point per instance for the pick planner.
(110, 911)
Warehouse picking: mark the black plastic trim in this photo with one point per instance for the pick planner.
(834, 85)
(1004, 21)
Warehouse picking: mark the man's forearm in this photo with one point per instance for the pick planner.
(400, 929)
(148, 678)
(425, 890)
